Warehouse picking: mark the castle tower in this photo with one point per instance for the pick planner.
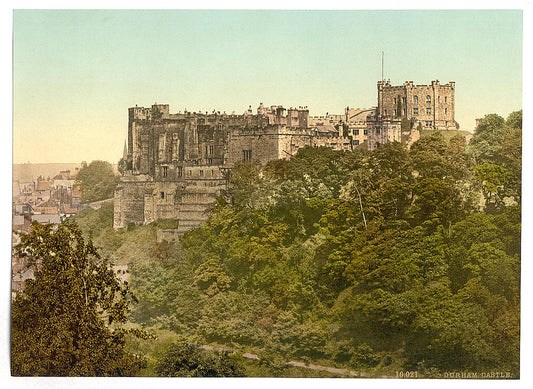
(433, 106)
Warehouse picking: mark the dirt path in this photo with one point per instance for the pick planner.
(309, 366)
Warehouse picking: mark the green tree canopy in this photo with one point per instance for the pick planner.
(68, 320)
(97, 181)
(189, 360)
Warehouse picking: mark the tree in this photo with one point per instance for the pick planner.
(68, 320)
(124, 166)
(493, 178)
(189, 360)
(210, 277)
(487, 139)
(514, 120)
(97, 181)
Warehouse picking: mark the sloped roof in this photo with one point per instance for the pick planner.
(47, 218)
(43, 185)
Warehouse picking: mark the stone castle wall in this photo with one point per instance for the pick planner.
(431, 105)
(179, 161)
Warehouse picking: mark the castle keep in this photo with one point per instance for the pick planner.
(177, 162)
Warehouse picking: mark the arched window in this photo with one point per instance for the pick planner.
(415, 100)
(428, 99)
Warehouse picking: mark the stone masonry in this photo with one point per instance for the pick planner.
(179, 162)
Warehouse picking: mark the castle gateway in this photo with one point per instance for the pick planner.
(177, 162)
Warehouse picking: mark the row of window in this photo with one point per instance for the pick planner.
(180, 172)
(415, 99)
(209, 149)
(428, 111)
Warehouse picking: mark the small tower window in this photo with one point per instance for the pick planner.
(415, 100)
(428, 111)
(428, 99)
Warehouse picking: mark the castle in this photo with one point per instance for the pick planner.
(177, 163)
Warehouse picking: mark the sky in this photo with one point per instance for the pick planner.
(76, 72)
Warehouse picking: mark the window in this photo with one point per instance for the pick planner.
(404, 100)
(366, 132)
(356, 132)
(211, 149)
(356, 142)
(180, 171)
(247, 155)
(446, 111)
(385, 112)
(415, 100)
(378, 131)
(438, 99)
(445, 99)
(404, 111)
(201, 173)
(428, 111)
(162, 195)
(428, 99)
(165, 171)
(415, 111)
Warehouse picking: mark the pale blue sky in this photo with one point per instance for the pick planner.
(77, 72)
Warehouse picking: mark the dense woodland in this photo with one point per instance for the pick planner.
(392, 260)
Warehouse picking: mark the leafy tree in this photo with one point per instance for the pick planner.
(189, 360)
(493, 179)
(511, 158)
(428, 157)
(487, 139)
(210, 277)
(514, 120)
(68, 320)
(124, 166)
(97, 181)
(406, 125)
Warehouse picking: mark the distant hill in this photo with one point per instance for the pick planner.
(26, 172)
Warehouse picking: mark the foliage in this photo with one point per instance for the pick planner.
(124, 166)
(392, 259)
(68, 320)
(97, 181)
(189, 360)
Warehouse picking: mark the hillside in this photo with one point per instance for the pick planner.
(27, 172)
(372, 262)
